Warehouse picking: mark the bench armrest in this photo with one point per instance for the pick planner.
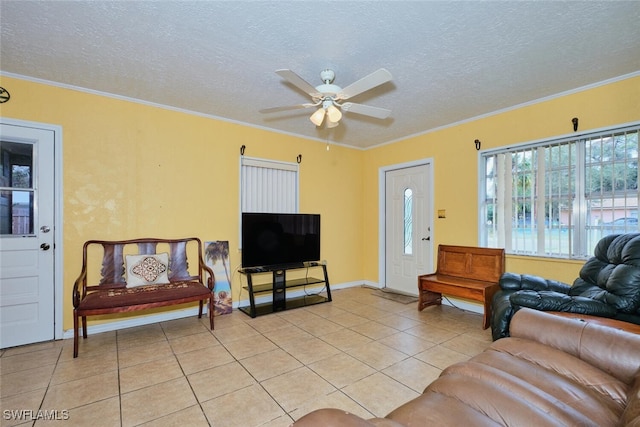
(207, 274)
(80, 286)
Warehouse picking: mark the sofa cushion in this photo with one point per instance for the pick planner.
(612, 275)
(499, 397)
(631, 415)
(439, 409)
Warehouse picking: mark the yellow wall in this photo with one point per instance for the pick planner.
(455, 161)
(132, 170)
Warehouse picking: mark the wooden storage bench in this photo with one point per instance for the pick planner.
(466, 272)
(139, 274)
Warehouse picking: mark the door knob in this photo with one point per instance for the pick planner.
(45, 246)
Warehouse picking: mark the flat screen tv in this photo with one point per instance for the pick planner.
(279, 239)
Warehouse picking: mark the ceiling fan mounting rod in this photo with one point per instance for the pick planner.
(327, 76)
(328, 101)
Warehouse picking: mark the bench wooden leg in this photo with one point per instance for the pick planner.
(427, 298)
(486, 318)
(75, 334)
(488, 300)
(76, 331)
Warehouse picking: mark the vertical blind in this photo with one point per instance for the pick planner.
(268, 186)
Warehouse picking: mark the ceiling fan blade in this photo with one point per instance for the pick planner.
(287, 108)
(364, 84)
(366, 110)
(299, 82)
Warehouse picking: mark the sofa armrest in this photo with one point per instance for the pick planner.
(557, 301)
(516, 282)
(609, 349)
(502, 308)
(501, 313)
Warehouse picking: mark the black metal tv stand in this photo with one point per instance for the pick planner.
(280, 285)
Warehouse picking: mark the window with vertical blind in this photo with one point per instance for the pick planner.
(558, 198)
(268, 186)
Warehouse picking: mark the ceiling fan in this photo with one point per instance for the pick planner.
(330, 98)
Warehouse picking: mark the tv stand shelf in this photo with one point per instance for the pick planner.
(280, 286)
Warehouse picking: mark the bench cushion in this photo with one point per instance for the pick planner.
(143, 295)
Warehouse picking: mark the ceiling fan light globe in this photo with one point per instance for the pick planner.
(334, 114)
(317, 117)
(332, 124)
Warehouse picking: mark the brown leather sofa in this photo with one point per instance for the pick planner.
(552, 370)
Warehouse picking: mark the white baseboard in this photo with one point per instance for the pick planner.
(464, 305)
(136, 321)
(372, 284)
(347, 285)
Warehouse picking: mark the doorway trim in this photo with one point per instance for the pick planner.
(58, 291)
(382, 202)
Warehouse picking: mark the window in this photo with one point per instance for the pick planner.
(559, 198)
(408, 221)
(268, 186)
(16, 189)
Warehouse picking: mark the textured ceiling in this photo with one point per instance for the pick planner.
(450, 60)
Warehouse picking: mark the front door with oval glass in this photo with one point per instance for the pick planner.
(407, 227)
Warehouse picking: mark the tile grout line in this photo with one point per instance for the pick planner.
(184, 375)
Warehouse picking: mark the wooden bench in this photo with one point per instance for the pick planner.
(139, 274)
(466, 272)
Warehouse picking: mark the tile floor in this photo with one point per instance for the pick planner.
(361, 353)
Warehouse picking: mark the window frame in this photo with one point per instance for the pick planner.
(578, 241)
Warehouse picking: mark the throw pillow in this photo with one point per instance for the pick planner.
(147, 269)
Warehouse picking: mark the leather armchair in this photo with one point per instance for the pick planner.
(608, 286)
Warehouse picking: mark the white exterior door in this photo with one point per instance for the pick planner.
(26, 235)
(408, 246)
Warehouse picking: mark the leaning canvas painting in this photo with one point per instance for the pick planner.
(217, 257)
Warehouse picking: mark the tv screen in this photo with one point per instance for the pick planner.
(279, 239)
